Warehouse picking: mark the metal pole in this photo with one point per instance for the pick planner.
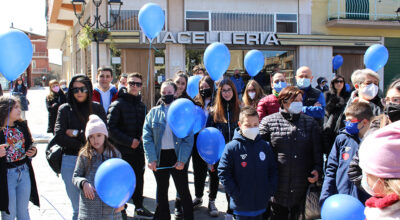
(97, 39)
(375, 10)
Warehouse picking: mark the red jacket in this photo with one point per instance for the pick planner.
(96, 96)
(267, 106)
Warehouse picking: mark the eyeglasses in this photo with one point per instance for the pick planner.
(133, 83)
(226, 90)
(351, 121)
(81, 89)
(338, 81)
(395, 100)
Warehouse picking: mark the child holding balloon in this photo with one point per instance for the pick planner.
(97, 150)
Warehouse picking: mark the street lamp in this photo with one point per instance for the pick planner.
(397, 12)
(79, 10)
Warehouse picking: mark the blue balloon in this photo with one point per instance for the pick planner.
(254, 62)
(193, 86)
(15, 54)
(342, 207)
(216, 60)
(115, 182)
(376, 57)
(337, 62)
(210, 145)
(180, 117)
(200, 119)
(151, 19)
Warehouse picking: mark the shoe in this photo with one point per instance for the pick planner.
(178, 209)
(197, 202)
(143, 213)
(212, 209)
(124, 215)
(228, 217)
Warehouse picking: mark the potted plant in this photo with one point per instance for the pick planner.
(88, 34)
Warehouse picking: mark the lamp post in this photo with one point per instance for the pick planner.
(79, 10)
(397, 12)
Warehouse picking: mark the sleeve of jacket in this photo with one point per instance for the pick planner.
(317, 147)
(316, 111)
(242, 85)
(78, 178)
(226, 170)
(273, 170)
(113, 119)
(329, 187)
(186, 148)
(262, 108)
(96, 96)
(148, 139)
(264, 130)
(355, 172)
(99, 111)
(61, 126)
(49, 105)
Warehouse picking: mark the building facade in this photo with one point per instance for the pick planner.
(290, 34)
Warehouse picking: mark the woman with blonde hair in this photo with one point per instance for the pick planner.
(253, 93)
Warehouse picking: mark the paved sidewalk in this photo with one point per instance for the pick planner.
(51, 188)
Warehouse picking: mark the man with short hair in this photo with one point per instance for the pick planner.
(313, 99)
(238, 81)
(366, 84)
(125, 121)
(105, 92)
(269, 104)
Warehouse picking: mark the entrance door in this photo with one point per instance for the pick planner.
(392, 68)
(357, 9)
(351, 62)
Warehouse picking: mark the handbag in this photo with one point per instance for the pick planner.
(54, 156)
(312, 208)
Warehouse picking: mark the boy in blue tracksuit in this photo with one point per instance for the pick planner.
(358, 117)
(247, 168)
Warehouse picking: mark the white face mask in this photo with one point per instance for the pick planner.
(295, 107)
(365, 185)
(369, 92)
(251, 133)
(252, 95)
(303, 83)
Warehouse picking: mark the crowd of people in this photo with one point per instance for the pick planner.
(277, 145)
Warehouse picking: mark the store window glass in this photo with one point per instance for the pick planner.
(159, 72)
(286, 23)
(197, 20)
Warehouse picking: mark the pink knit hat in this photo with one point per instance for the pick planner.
(95, 125)
(380, 152)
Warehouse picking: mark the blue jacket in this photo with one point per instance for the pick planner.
(247, 170)
(153, 130)
(336, 177)
(310, 97)
(239, 84)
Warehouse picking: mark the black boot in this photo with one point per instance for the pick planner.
(178, 208)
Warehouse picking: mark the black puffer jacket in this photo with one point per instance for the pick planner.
(67, 118)
(295, 140)
(333, 112)
(227, 129)
(52, 106)
(125, 121)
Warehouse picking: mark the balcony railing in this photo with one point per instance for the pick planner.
(374, 10)
(127, 21)
(39, 54)
(39, 70)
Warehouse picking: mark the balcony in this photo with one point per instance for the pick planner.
(39, 70)
(363, 13)
(127, 21)
(39, 54)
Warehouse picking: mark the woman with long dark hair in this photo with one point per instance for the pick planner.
(70, 130)
(20, 92)
(225, 116)
(336, 99)
(54, 100)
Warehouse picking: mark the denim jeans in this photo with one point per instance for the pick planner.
(67, 170)
(19, 191)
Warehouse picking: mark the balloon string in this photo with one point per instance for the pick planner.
(8, 114)
(163, 168)
(148, 68)
(53, 207)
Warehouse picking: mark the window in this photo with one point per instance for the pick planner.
(34, 47)
(226, 21)
(33, 64)
(197, 20)
(286, 23)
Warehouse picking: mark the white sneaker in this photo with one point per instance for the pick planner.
(228, 217)
(212, 209)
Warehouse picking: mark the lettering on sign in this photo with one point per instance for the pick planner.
(198, 37)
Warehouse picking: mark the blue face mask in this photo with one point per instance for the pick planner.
(303, 83)
(352, 127)
(279, 86)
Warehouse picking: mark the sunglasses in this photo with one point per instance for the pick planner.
(339, 81)
(137, 84)
(81, 89)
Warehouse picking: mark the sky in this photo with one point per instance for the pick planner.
(27, 15)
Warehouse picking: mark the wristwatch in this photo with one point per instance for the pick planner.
(75, 133)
